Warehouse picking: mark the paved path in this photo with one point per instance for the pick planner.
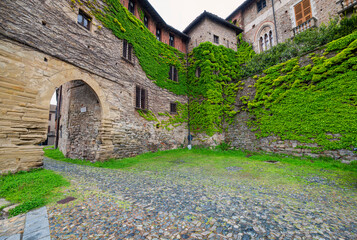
(191, 204)
(31, 226)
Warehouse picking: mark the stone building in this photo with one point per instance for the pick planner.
(268, 22)
(49, 45)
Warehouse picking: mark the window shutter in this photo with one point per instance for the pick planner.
(307, 9)
(170, 73)
(302, 12)
(125, 47)
(176, 75)
(143, 99)
(298, 14)
(130, 50)
(137, 97)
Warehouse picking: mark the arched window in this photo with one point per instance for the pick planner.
(271, 38)
(266, 41)
(261, 43)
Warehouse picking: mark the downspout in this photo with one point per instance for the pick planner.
(276, 30)
(188, 99)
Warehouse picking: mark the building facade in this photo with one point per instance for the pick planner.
(48, 46)
(268, 22)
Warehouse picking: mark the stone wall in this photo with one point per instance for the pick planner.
(41, 48)
(205, 31)
(241, 137)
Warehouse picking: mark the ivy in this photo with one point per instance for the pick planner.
(315, 104)
(154, 57)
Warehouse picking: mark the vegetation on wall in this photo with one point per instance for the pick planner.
(213, 92)
(154, 57)
(293, 102)
(315, 104)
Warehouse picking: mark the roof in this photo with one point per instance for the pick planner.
(159, 21)
(245, 3)
(214, 18)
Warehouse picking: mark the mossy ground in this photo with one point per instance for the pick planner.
(286, 171)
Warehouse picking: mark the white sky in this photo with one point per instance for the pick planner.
(180, 13)
(53, 100)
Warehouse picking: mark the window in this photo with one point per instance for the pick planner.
(158, 34)
(141, 96)
(302, 12)
(49, 118)
(172, 40)
(266, 40)
(127, 51)
(198, 72)
(261, 43)
(235, 22)
(49, 129)
(173, 74)
(271, 38)
(173, 107)
(146, 21)
(261, 4)
(215, 39)
(84, 19)
(131, 7)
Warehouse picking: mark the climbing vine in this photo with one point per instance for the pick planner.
(315, 104)
(155, 57)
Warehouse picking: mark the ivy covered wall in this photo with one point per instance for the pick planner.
(314, 105)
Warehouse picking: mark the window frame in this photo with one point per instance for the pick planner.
(172, 40)
(146, 21)
(173, 73)
(215, 39)
(173, 106)
(86, 17)
(128, 51)
(141, 98)
(261, 4)
(158, 34)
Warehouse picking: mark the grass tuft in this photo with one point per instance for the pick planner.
(31, 189)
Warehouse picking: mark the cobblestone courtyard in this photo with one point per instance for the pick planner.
(181, 203)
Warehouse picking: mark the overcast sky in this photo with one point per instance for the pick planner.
(180, 13)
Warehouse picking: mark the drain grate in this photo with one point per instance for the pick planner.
(66, 200)
(271, 161)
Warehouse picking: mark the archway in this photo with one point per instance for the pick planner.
(78, 120)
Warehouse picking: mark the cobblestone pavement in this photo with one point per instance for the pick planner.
(191, 204)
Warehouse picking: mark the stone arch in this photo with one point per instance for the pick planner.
(73, 74)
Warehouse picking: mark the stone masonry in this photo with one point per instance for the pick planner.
(42, 47)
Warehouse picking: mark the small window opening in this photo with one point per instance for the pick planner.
(131, 7)
(146, 21)
(198, 72)
(173, 74)
(84, 19)
(215, 39)
(173, 107)
(158, 34)
(172, 40)
(141, 97)
(127, 51)
(261, 4)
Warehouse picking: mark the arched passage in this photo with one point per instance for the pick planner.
(78, 122)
